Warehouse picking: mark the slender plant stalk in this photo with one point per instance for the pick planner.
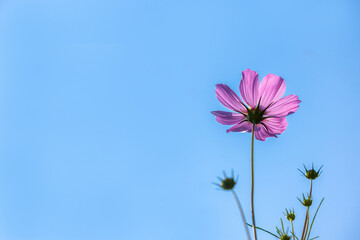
(308, 215)
(252, 182)
(303, 236)
(242, 214)
(263, 230)
(292, 227)
(312, 222)
(306, 223)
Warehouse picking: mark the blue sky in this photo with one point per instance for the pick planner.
(105, 124)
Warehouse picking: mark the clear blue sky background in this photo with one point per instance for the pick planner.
(105, 124)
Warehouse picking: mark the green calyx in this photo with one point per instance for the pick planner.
(290, 215)
(306, 201)
(228, 183)
(311, 174)
(285, 237)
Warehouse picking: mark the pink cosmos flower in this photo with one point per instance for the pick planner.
(262, 105)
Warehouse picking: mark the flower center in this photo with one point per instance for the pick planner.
(255, 115)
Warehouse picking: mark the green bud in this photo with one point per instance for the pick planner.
(228, 183)
(311, 174)
(285, 237)
(306, 201)
(282, 234)
(290, 215)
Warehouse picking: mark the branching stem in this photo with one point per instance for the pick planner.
(306, 223)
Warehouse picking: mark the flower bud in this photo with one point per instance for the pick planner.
(306, 201)
(285, 237)
(228, 183)
(290, 215)
(311, 174)
(282, 234)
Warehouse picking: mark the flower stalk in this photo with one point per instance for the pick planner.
(228, 184)
(242, 214)
(292, 227)
(306, 223)
(290, 216)
(252, 182)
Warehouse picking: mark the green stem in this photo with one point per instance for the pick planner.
(242, 214)
(263, 230)
(302, 235)
(312, 222)
(308, 211)
(292, 227)
(252, 181)
(306, 223)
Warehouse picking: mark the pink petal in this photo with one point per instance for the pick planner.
(275, 125)
(228, 98)
(241, 127)
(261, 133)
(271, 89)
(284, 106)
(228, 118)
(249, 87)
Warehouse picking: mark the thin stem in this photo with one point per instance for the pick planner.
(302, 235)
(252, 181)
(312, 222)
(306, 223)
(292, 227)
(303, 232)
(314, 238)
(308, 214)
(263, 230)
(242, 214)
(296, 237)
